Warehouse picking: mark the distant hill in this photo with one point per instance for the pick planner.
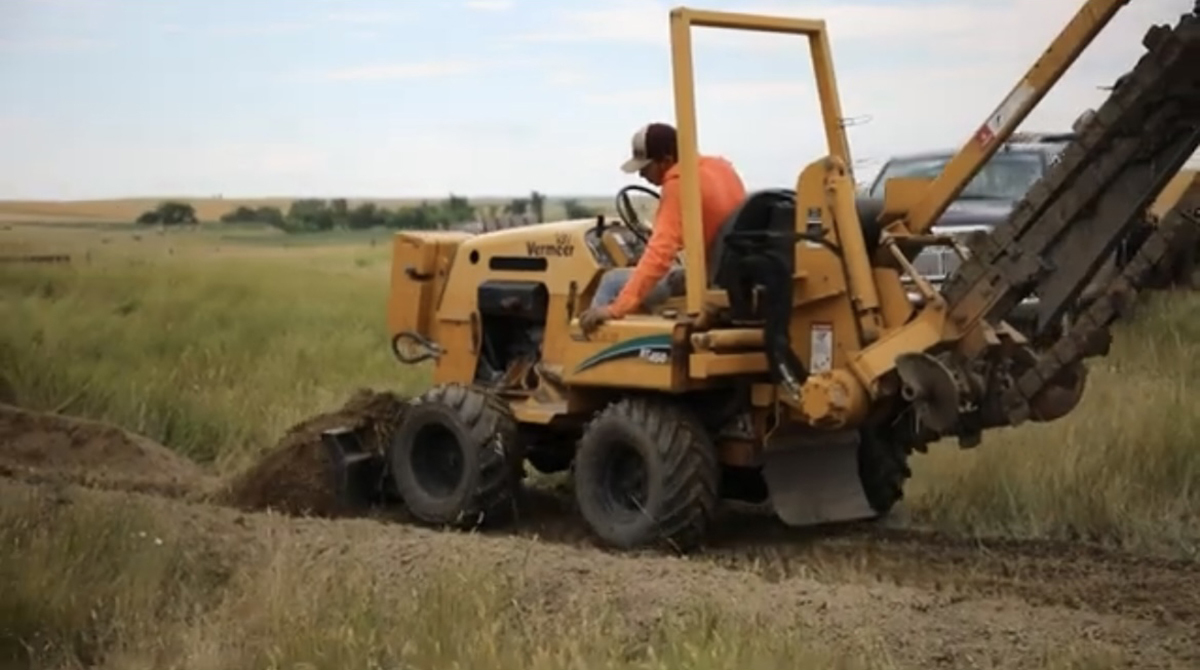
(211, 209)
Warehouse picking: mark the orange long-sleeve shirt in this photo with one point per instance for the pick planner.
(721, 192)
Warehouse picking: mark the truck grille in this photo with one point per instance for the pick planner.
(936, 263)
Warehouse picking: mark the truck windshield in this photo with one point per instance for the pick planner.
(1007, 176)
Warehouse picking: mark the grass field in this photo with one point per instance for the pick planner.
(213, 342)
(216, 347)
(1122, 469)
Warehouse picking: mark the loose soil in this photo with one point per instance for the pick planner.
(40, 447)
(292, 478)
(928, 600)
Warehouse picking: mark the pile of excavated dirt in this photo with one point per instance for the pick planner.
(8, 393)
(293, 478)
(41, 447)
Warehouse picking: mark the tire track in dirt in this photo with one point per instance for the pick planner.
(1037, 571)
(1043, 572)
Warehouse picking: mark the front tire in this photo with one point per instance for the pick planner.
(646, 473)
(456, 458)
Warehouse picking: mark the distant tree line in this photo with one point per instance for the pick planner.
(316, 214)
(535, 204)
(170, 213)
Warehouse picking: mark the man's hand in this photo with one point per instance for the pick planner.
(592, 317)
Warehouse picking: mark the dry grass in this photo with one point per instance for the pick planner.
(211, 209)
(125, 209)
(107, 584)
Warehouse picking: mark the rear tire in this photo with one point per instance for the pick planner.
(456, 458)
(646, 473)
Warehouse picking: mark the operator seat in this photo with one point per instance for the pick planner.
(755, 247)
(773, 212)
(768, 218)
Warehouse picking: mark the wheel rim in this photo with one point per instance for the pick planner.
(437, 460)
(625, 481)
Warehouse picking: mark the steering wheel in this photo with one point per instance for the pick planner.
(629, 215)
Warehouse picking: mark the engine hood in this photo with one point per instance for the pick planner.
(975, 213)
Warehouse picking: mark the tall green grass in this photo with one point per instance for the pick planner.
(1122, 469)
(214, 358)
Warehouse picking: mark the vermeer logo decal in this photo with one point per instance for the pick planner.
(560, 247)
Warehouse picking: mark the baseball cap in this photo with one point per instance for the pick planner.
(650, 142)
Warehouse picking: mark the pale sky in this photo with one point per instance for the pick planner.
(374, 98)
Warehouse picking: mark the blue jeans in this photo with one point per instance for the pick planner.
(612, 281)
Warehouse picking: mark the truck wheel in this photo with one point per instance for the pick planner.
(883, 470)
(646, 473)
(456, 458)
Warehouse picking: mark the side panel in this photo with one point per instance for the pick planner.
(565, 258)
(822, 295)
(557, 254)
(634, 352)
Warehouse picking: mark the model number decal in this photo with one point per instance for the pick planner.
(655, 356)
(653, 349)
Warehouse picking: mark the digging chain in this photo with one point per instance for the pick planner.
(1107, 307)
(1136, 141)
(1071, 221)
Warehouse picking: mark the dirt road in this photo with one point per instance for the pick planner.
(930, 601)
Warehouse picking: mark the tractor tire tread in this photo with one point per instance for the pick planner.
(492, 430)
(691, 472)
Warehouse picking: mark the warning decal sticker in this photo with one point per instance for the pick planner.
(821, 355)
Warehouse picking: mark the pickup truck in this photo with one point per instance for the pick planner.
(986, 201)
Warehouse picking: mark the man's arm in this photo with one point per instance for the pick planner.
(656, 260)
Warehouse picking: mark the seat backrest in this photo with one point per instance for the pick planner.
(757, 212)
